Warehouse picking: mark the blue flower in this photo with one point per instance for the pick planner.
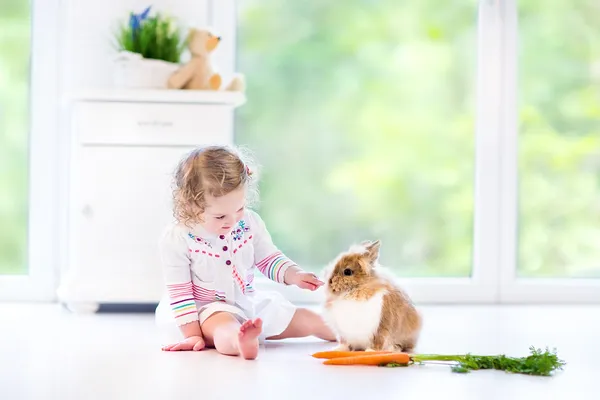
(135, 20)
(133, 23)
(145, 13)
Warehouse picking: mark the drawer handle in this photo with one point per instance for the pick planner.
(87, 211)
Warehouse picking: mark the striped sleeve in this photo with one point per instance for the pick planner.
(176, 266)
(269, 260)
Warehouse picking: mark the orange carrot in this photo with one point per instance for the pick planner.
(371, 359)
(339, 354)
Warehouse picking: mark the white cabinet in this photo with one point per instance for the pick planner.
(124, 149)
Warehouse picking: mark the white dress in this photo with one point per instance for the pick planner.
(206, 273)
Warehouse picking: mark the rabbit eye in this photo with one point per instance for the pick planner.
(347, 272)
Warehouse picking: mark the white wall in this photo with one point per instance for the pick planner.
(86, 38)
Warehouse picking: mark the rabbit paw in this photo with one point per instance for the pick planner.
(342, 347)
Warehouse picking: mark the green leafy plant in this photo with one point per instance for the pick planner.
(153, 37)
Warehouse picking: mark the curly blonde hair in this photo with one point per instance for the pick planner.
(213, 171)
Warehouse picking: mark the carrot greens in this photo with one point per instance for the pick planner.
(539, 362)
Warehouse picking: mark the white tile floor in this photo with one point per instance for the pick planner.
(48, 353)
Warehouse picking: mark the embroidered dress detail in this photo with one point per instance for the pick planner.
(205, 253)
(239, 231)
(238, 279)
(273, 265)
(239, 246)
(198, 239)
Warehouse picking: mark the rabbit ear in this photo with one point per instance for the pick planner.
(372, 250)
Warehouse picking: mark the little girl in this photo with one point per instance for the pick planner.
(209, 258)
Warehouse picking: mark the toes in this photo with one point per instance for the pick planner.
(251, 325)
(247, 324)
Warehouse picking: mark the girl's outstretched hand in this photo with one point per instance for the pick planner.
(304, 280)
(195, 343)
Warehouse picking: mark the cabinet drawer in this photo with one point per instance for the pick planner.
(152, 124)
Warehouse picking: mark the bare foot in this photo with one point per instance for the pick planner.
(248, 338)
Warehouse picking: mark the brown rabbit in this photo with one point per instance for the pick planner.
(366, 308)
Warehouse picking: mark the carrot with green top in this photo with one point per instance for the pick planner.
(539, 362)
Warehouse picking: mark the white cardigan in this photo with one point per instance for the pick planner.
(200, 268)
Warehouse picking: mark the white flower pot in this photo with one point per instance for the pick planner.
(131, 70)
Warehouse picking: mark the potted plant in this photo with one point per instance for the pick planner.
(150, 49)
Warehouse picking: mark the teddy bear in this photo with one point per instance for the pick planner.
(198, 73)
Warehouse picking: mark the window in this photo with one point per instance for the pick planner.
(362, 117)
(15, 20)
(559, 140)
(465, 135)
(29, 146)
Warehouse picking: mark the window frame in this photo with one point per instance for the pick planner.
(43, 161)
(495, 239)
(511, 287)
